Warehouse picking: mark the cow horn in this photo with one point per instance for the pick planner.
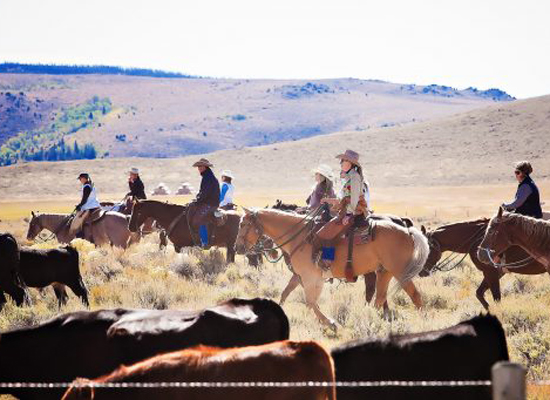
(247, 210)
(32, 213)
(500, 212)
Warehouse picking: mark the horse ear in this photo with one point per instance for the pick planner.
(500, 212)
(423, 230)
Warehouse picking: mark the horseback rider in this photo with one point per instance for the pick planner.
(324, 187)
(227, 190)
(351, 207)
(137, 189)
(206, 203)
(89, 204)
(527, 200)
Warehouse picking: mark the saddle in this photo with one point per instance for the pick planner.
(95, 216)
(333, 231)
(219, 217)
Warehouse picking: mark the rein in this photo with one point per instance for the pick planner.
(56, 231)
(440, 266)
(259, 248)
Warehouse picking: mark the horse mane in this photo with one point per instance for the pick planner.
(478, 221)
(537, 230)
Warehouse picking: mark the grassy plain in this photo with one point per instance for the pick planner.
(145, 277)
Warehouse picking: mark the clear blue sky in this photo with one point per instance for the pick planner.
(482, 43)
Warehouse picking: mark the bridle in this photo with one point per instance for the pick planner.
(490, 252)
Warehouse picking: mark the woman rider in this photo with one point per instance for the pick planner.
(527, 201)
(324, 187)
(351, 207)
(137, 189)
(227, 190)
(87, 206)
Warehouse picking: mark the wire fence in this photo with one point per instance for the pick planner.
(303, 384)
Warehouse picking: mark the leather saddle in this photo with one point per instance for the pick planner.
(219, 217)
(95, 216)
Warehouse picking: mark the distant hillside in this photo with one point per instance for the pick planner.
(53, 69)
(476, 147)
(161, 117)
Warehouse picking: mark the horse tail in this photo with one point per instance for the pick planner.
(419, 256)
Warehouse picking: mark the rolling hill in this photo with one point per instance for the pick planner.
(475, 147)
(170, 117)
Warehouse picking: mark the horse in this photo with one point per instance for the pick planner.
(396, 252)
(510, 229)
(173, 219)
(370, 278)
(465, 238)
(111, 228)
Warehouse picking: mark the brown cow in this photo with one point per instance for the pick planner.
(284, 361)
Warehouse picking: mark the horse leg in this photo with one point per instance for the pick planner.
(413, 293)
(383, 279)
(370, 286)
(313, 288)
(480, 293)
(292, 284)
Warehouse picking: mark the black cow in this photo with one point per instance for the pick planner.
(10, 279)
(466, 351)
(41, 268)
(90, 344)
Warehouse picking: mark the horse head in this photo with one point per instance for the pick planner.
(250, 231)
(496, 239)
(435, 253)
(35, 226)
(139, 215)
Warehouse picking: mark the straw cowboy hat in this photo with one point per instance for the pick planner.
(203, 162)
(227, 173)
(325, 170)
(133, 170)
(350, 156)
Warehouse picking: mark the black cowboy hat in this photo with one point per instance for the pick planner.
(84, 175)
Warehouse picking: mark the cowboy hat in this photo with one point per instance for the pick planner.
(133, 170)
(349, 155)
(203, 162)
(325, 170)
(227, 173)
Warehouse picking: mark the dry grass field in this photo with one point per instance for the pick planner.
(145, 277)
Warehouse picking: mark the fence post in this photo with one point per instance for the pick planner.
(508, 381)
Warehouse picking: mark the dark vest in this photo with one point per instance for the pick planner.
(531, 207)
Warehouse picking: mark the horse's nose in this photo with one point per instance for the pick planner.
(483, 255)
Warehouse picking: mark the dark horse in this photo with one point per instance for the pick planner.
(465, 237)
(173, 219)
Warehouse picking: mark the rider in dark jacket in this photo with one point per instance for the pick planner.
(527, 201)
(137, 189)
(206, 202)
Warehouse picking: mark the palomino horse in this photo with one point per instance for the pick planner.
(173, 219)
(464, 238)
(509, 229)
(396, 252)
(111, 229)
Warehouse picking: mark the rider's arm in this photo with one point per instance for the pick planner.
(522, 194)
(356, 190)
(225, 188)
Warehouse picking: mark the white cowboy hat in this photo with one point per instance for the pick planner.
(227, 173)
(133, 170)
(325, 170)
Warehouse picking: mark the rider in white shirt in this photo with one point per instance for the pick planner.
(226, 190)
(88, 204)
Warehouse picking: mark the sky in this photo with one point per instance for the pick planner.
(461, 43)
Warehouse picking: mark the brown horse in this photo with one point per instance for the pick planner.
(396, 252)
(111, 229)
(464, 238)
(509, 229)
(173, 219)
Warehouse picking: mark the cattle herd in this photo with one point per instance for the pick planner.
(240, 340)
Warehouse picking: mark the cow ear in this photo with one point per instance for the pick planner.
(500, 212)
(423, 230)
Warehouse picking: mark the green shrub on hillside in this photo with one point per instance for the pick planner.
(48, 144)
